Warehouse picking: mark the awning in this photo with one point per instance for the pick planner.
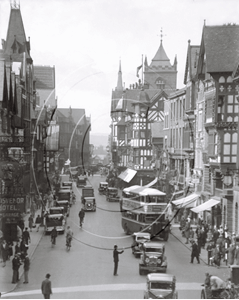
(187, 202)
(151, 183)
(127, 175)
(145, 191)
(131, 188)
(205, 206)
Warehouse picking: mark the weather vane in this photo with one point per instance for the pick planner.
(161, 35)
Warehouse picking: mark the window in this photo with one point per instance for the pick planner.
(209, 111)
(212, 144)
(230, 147)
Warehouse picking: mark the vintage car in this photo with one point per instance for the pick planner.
(66, 185)
(152, 259)
(139, 239)
(103, 187)
(87, 191)
(57, 220)
(65, 194)
(89, 204)
(160, 286)
(81, 181)
(66, 205)
(55, 210)
(112, 194)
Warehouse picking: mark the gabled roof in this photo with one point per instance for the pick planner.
(160, 57)
(45, 77)
(220, 44)
(16, 36)
(191, 62)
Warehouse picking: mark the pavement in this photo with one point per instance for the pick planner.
(203, 256)
(6, 272)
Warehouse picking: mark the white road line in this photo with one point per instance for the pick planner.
(189, 286)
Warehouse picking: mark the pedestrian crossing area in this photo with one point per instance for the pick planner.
(181, 286)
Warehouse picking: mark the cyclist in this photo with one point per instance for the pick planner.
(69, 236)
(81, 216)
(53, 235)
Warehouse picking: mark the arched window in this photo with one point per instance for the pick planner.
(222, 79)
(236, 218)
(160, 83)
(229, 79)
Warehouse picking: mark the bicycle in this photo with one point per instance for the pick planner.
(68, 243)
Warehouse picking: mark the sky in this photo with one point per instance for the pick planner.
(86, 39)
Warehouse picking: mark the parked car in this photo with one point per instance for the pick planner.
(87, 191)
(139, 239)
(66, 195)
(81, 181)
(112, 194)
(57, 220)
(152, 258)
(66, 205)
(55, 210)
(103, 187)
(89, 204)
(160, 286)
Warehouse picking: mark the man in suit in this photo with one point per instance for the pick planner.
(116, 258)
(46, 287)
(195, 252)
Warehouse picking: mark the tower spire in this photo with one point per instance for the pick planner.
(120, 81)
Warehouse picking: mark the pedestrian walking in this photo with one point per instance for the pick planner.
(26, 236)
(187, 231)
(38, 222)
(116, 258)
(30, 222)
(237, 255)
(4, 250)
(231, 254)
(16, 263)
(217, 256)
(19, 233)
(194, 252)
(26, 268)
(17, 248)
(10, 251)
(46, 287)
(191, 234)
(209, 252)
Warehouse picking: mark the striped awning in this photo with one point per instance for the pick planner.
(186, 202)
(127, 175)
(205, 206)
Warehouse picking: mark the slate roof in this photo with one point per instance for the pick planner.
(191, 62)
(45, 77)
(221, 47)
(16, 33)
(161, 57)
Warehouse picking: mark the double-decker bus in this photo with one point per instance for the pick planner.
(144, 209)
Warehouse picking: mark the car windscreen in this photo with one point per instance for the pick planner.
(148, 249)
(161, 285)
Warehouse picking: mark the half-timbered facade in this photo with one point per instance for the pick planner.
(216, 63)
(134, 110)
